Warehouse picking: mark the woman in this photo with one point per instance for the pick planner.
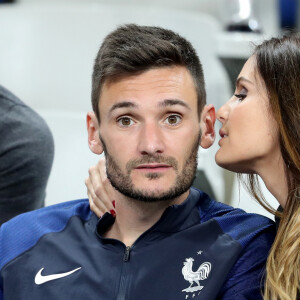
(265, 111)
(260, 136)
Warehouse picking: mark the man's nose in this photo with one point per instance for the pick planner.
(151, 140)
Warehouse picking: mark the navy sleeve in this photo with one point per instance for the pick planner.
(255, 234)
(23, 232)
(246, 278)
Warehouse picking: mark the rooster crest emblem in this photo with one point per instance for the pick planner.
(191, 276)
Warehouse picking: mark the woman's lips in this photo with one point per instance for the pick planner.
(223, 135)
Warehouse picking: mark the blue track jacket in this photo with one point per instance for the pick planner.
(200, 249)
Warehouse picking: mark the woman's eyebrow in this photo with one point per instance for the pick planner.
(243, 79)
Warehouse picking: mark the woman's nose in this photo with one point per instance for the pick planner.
(223, 112)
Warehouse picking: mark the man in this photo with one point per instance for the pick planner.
(168, 241)
(26, 156)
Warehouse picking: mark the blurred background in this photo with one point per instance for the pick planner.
(47, 50)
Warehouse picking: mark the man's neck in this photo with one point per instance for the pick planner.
(134, 217)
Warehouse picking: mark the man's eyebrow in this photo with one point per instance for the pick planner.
(122, 105)
(243, 79)
(170, 102)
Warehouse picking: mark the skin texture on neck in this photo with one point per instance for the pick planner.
(274, 175)
(134, 217)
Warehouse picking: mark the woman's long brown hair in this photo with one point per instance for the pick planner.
(278, 65)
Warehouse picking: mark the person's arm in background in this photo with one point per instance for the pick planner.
(26, 156)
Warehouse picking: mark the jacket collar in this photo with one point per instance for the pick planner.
(175, 217)
(181, 216)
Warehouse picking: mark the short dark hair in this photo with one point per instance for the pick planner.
(132, 49)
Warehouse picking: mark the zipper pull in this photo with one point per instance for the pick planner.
(127, 254)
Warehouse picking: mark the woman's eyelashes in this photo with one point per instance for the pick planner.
(241, 95)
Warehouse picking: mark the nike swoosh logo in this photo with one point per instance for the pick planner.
(40, 279)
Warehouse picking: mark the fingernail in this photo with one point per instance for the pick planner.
(113, 213)
(114, 203)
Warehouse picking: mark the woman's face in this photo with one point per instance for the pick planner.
(249, 133)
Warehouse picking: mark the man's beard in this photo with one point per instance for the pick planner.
(123, 183)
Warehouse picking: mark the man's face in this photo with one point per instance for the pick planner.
(150, 133)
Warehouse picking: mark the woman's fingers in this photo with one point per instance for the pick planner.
(99, 190)
(110, 191)
(95, 204)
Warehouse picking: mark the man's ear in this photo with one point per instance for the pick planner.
(93, 133)
(207, 123)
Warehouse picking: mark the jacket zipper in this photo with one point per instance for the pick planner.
(126, 254)
(126, 258)
(122, 286)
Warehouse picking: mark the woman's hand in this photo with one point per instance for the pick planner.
(99, 190)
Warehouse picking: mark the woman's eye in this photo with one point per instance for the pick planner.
(173, 120)
(125, 121)
(241, 97)
(242, 94)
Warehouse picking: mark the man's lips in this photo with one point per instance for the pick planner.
(154, 167)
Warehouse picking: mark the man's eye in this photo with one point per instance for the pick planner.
(173, 120)
(125, 121)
